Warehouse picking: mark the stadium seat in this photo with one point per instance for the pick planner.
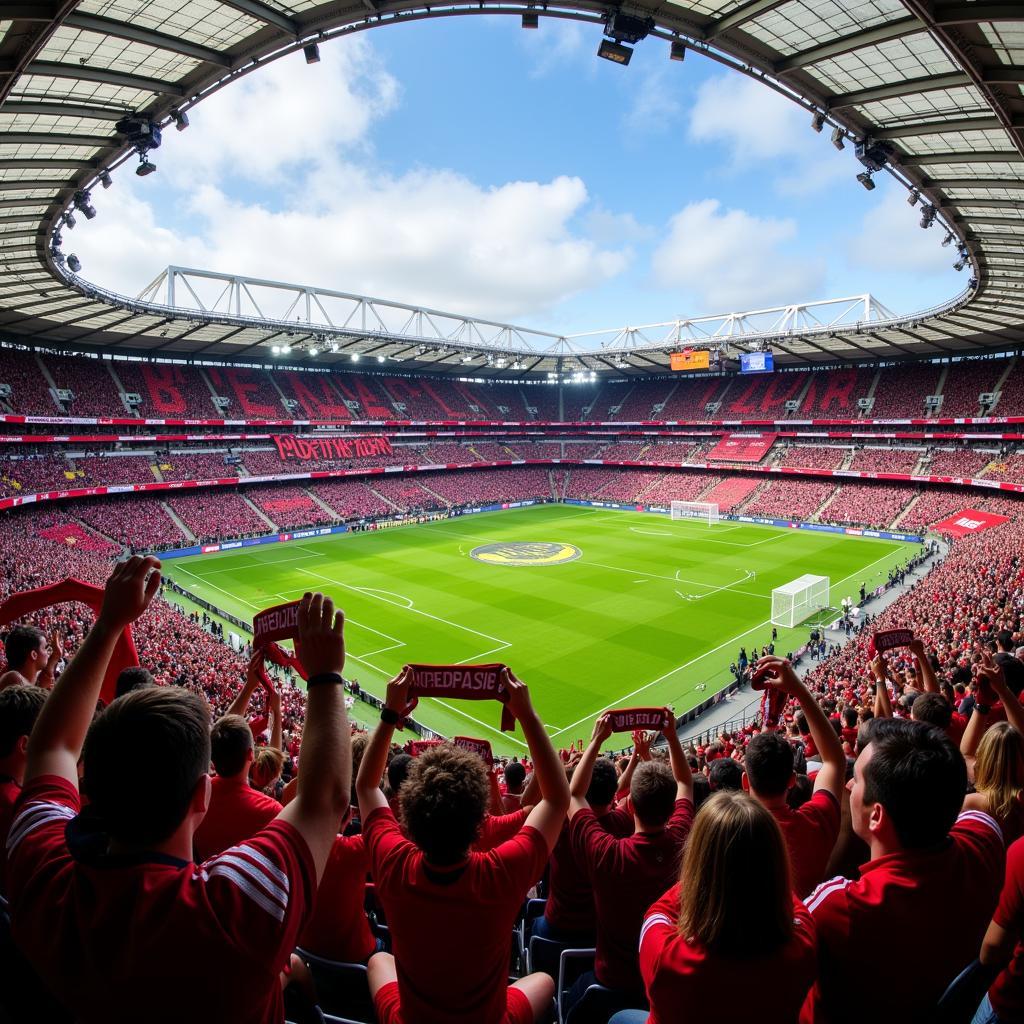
(571, 964)
(340, 986)
(960, 1001)
(544, 955)
(531, 909)
(597, 1005)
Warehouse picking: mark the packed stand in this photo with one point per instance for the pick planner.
(871, 505)
(289, 507)
(137, 523)
(901, 391)
(194, 466)
(813, 456)
(89, 380)
(1006, 467)
(113, 469)
(36, 473)
(790, 499)
(351, 499)
(833, 394)
(168, 391)
(30, 393)
(885, 460)
(489, 486)
(732, 492)
(213, 514)
(965, 382)
(962, 463)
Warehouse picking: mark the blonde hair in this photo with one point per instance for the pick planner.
(735, 893)
(266, 767)
(999, 769)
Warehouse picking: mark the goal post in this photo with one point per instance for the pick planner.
(797, 601)
(707, 511)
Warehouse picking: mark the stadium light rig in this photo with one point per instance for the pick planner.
(866, 180)
(104, 177)
(531, 19)
(83, 205)
(312, 53)
(913, 197)
(928, 213)
(180, 119)
(678, 50)
(818, 121)
(74, 264)
(948, 240)
(837, 138)
(69, 220)
(619, 29)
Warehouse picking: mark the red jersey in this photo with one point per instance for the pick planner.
(570, 904)
(1007, 993)
(682, 974)
(118, 933)
(458, 975)
(236, 812)
(627, 876)
(338, 928)
(498, 828)
(811, 832)
(896, 927)
(9, 793)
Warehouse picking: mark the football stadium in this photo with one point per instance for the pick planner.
(449, 657)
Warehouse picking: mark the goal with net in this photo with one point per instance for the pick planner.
(795, 602)
(707, 511)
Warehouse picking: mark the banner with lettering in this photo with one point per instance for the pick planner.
(306, 449)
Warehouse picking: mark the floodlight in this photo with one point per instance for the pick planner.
(145, 167)
(818, 121)
(678, 51)
(531, 19)
(947, 240)
(913, 197)
(56, 241)
(83, 205)
(627, 28)
(180, 119)
(865, 179)
(276, 349)
(286, 348)
(615, 52)
(105, 178)
(928, 213)
(74, 264)
(837, 137)
(69, 219)
(355, 357)
(334, 346)
(314, 353)
(312, 52)
(960, 264)
(141, 132)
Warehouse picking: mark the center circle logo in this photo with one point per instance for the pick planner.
(526, 553)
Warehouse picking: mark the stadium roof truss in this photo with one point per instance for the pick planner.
(941, 82)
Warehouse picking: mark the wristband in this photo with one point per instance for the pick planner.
(324, 679)
(389, 716)
(982, 709)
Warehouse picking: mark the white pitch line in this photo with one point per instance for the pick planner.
(677, 579)
(700, 657)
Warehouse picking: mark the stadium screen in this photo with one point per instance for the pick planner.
(691, 359)
(757, 362)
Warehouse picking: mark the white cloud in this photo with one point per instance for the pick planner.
(761, 127)
(654, 109)
(283, 117)
(609, 228)
(552, 45)
(732, 260)
(891, 239)
(430, 237)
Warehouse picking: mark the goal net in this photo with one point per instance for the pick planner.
(704, 510)
(794, 602)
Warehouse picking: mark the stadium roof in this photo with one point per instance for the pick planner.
(940, 81)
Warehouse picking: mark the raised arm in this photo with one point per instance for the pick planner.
(375, 756)
(993, 672)
(832, 775)
(928, 680)
(56, 741)
(240, 705)
(274, 711)
(325, 781)
(46, 674)
(548, 815)
(883, 706)
(677, 759)
(584, 772)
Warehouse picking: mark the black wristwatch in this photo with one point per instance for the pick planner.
(389, 716)
(324, 679)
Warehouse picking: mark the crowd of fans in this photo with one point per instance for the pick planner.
(867, 828)
(874, 505)
(790, 499)
(885, 460)
(813, 456)
(210, 515)
(957, 462)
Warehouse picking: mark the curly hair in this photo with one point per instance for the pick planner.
(444, 800)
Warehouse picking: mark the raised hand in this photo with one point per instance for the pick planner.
(130, 588)
(321, 635)
(397, 695)
(602, 729)
(778, 672)
(518, 696)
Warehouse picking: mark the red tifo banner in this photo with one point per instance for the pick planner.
(969, 521)
(628, 719)
(291, 446)
(460, 682)
(19, 605)
(480, 747)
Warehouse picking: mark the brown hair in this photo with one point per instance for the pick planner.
(999, 769)
(143, 757)
(230, 743)
(735, 892)
(266, 767)
(444, 800)
(653, 793)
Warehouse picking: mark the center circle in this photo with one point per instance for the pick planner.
(525, 552)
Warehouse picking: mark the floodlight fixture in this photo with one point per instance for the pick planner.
(69, 219)
(180, 119)
(145, 166)
(276, 349)
(313, 352)
(83, 205)
(56, 241)
(286, 348)
(140, 131)
(74, 264)
(531, 19)
(818, 121)
(913, 197)
(865, 179)
(678, 51)
(960, 264)
(873, 155)
(928, 213)
(105, 178)
(837, 138)
(354, 357)
(334, 346)
(948, 240)
(615, 52)
(312, 52)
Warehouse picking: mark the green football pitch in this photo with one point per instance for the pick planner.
(598, 608)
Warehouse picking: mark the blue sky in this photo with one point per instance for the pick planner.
(467, 164)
